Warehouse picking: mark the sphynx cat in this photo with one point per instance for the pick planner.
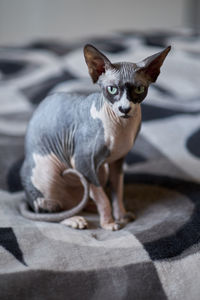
(75, 143)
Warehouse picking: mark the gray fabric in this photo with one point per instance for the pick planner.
(157, 255)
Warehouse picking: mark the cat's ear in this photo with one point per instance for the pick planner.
(97, 62)
(150, 67)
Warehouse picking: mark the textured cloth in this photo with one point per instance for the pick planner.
(158, 255)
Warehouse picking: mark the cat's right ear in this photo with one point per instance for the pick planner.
(150, 67)
(96, 61)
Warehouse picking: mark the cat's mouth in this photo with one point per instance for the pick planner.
(125, 116)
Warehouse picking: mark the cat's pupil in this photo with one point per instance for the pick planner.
(112, 89)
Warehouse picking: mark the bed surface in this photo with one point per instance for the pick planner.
(158, 255)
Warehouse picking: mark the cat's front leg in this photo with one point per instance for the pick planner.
(104, 208)
(116, 178)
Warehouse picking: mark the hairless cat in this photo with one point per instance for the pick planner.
(75, 143)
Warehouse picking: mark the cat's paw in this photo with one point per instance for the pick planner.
(113, 226)
(76, 222)
(126, 218)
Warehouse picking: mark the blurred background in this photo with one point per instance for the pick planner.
(41, 52)
(24, 20)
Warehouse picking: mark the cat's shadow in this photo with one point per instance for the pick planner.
(144, 200)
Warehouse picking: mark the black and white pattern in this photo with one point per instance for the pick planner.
(158, 255)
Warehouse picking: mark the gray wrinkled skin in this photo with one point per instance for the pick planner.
(62, 124)
(70, 131)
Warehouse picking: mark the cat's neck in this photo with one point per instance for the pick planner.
(119, 133)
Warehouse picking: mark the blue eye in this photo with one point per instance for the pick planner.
(112, 90)
(139, 90)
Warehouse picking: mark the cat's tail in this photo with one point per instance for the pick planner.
(60, 216)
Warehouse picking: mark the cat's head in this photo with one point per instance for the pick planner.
(123, 84)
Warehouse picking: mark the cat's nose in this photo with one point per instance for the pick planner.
(124, 110)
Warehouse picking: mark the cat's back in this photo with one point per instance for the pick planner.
(62, 105)
(56, 117)
(58, 104)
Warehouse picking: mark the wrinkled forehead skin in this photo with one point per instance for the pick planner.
(121, 73)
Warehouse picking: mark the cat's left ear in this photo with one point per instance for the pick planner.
(97, 62)
(150, 67)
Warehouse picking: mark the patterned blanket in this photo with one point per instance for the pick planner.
(158, 255)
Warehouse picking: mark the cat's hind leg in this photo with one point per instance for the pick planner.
(51, 187)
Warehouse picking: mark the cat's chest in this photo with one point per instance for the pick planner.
(120, 141)
(119, 134)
